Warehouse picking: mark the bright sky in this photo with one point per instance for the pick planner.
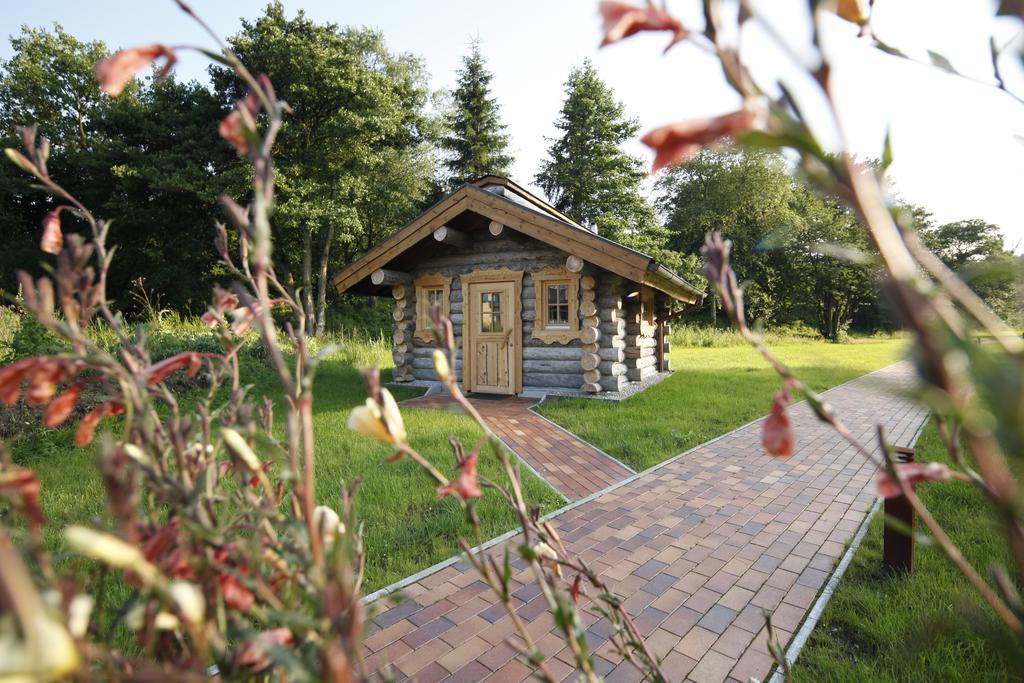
(959, 145)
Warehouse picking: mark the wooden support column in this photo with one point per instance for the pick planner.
(660, 352)
(662, 313)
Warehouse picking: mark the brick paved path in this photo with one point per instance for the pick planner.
(574, 468)
(698, 547)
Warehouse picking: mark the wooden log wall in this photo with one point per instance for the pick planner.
(404, 315)
(590, 334)
(641, 360)
(555, 366)
(544, 365)
(610, 345)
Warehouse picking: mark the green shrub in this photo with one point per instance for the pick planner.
(32, 339)
(9, 324)
(693, 335)
(357, 348)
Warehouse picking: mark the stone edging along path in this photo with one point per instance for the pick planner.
(698, 546)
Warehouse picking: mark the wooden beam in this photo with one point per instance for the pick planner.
(383, 276)
(422, 226)
(573, 240)
(574, 264)
(452, 236)
(495, 228)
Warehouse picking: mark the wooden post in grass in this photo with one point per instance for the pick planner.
(898, 544)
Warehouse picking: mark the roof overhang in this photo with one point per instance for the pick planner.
(534, 218)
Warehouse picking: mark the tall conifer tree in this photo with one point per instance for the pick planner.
(589, 177)
(477, 143)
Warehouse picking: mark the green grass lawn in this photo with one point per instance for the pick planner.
(928, 626)
(712, 391)
(407, 527)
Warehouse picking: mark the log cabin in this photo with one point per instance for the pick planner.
(539, 303)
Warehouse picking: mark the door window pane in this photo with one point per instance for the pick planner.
(558, 305)
(490, 312)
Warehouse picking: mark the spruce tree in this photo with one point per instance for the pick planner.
(590, 178)
(477, 144)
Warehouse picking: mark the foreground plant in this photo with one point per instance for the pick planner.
(564, 580)
(214, 534)
(972, 389)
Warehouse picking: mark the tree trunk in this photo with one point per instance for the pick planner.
(307, 277)
(321, 293)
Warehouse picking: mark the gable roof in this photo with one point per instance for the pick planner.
(511, 205)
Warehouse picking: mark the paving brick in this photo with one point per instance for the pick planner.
(714, 667)
(427, 632)
(733, 641)
(697, 642)
(696, 549)
(470, 673)
(676, 666)
(511, 672)
(464, 654)
(681, 621)
(717, 618)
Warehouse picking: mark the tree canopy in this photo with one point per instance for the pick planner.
(801, 257)
(973, 248)
(354, 155)
(148, 160)
(363, 151)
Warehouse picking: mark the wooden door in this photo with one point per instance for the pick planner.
(492, 347)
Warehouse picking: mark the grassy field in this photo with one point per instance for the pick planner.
(407, 527)
(713, 390)
(929, 626)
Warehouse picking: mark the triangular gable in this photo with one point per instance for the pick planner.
(538, 223)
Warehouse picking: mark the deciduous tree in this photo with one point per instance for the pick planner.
(354, 157)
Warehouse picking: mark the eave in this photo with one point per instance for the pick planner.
(539, 223)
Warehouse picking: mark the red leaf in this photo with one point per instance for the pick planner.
(21, 486)
(53, 238)
(158, 372)
(465, 485)
(622, 20)
(116, 71)
(253, 654)
(914, 473)
(232, 129)
(60, 408)
(87, 427)
(777, 431)
(676, 143)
